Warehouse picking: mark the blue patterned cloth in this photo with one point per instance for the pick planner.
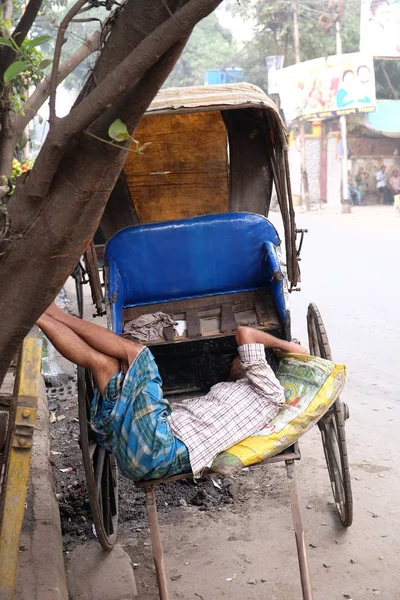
(131, 422)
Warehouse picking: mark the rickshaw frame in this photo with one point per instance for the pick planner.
(258, 118)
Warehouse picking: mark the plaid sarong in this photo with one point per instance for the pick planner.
(131, 422)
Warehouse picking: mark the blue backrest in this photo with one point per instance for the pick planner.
(208, 255)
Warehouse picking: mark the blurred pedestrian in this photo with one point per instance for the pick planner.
(381, 178)
(361, 180)
(353, 191)
(393, 187)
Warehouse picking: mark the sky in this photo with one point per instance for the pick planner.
(242, 30)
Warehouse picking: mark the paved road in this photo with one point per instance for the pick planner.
(350, 269)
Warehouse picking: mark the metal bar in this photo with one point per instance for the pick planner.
(156, 543)
(305, 576)
(27, 387)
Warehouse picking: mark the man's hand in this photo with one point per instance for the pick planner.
(295, 348)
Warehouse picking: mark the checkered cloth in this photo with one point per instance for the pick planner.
(131, 422)
(150, 441)
(230, 412)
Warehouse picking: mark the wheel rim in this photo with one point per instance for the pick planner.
(333, 461)
(100, 469)
(332, 426)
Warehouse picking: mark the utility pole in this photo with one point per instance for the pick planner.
(346, 207)
(305, 198)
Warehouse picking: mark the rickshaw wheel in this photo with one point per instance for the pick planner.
(332, 426)
(100, 468)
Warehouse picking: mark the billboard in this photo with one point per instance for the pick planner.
(328, 87)
(273, 64)
(380, 28)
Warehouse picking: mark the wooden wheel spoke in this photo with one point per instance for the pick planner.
(337, 467)
(112, 496)
(92, 449)
(100, 469)
(105, 490)
(99, 466)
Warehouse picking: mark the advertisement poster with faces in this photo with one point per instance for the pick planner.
(328, 87)
(380, 28)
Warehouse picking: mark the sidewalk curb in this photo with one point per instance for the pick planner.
(41, 570)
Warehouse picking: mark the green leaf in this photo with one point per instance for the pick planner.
(4, 42)
(118, 131)
(13, 70)
(38, 41)
(45, 63)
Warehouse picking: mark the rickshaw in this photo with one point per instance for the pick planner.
(205, 253)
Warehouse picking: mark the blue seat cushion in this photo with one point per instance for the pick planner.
(202, 256)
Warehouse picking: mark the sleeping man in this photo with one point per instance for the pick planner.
(134, 420)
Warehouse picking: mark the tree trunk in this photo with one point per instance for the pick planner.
(50, 234)
(7, 145)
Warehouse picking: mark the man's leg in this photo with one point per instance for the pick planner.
(70, 345)
(97, 337)
(357, 195)
(388, 196)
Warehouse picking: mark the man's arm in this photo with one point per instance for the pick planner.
(248, 335)
(259, 373)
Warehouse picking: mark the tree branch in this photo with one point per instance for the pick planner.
(41, 93)
(124, 76)
(7, 7)
(26, 21)
(57, 55)
(135, 65)
(7, 10)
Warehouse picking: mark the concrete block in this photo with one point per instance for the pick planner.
(94, 574)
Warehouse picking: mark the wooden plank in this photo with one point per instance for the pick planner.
(240, 301)
(266, 311)
(193, 323)
(228, 321)
(184, 172)
(27, 387)
(169, 333)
